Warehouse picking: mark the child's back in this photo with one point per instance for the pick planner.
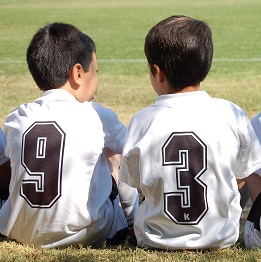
(185, 152)
(61, 188)
(189, 147)
(62, 178)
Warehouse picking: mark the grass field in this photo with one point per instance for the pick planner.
(119, 27)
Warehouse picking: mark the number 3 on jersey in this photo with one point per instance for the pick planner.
(187, 204)
(42, 158)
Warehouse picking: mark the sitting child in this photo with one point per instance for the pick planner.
(185, 152)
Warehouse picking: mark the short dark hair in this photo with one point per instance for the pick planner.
(182, 48)
(54, 50)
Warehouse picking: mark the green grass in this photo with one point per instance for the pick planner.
(119, 28)
(16, 252)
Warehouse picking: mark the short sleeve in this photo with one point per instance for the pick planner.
(256, 123)
(113, 128)
(250, 153)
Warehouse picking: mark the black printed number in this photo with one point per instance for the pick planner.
(187, 153)
(42, 158)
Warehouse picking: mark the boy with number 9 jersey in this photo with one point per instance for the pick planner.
(61, 188)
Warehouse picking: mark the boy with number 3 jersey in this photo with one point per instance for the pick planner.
(61, 188)
(187, 150)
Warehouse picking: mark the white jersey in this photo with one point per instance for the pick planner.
(256, 123)
(61, 182)
(113, 129)
(115, 133)
(3, 158)
(252, 230)
(184, 154)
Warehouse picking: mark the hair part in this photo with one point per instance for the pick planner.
(182, 48)
(54, 50)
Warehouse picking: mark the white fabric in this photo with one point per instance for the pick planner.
(129, 201)
(256, 123)
(115, 133)
(114, 130)
(83, 212)
(184, 154)
(252, 237)
(3, 158)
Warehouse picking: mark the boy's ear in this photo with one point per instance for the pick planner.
(159, 74)
(76, 74)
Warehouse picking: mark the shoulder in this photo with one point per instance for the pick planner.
(231, 111)
(107, 116)
(228, 105)
(15, 114)
(113, 128)
(101, 110)
(142, 120)
(146, 112)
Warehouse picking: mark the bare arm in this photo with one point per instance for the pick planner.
(240, 183)
(113, 162)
